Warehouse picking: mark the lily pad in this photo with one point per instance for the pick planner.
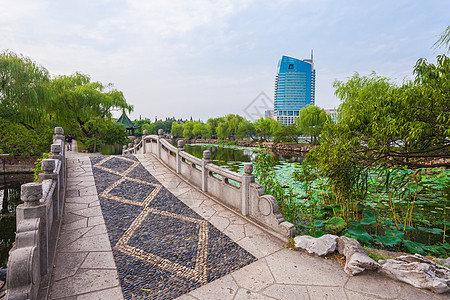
(359, 233)
(335, 224)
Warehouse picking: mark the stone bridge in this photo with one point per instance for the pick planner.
(159, 223)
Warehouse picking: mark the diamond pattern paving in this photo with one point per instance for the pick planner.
(161, 247)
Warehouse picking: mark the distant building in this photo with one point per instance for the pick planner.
(269, 114)
(332, 112)
(295, 86)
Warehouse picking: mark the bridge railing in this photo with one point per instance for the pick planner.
(38, 221)
(239, 192)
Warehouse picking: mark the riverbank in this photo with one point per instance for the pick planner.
(11, 164)
(275, 147)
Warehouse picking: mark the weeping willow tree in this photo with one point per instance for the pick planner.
(24, 89)
(85, 108)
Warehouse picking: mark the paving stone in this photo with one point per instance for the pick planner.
(83, 282)
(371, 283)
(326, 293)
(92, 243)
(99, 260)
(71, 207)
(204, 211)
(247, 294)
(83, 222)
(294, 267)
(68, 236)
(235, 232)
(220, 222)
(260, 245)
(254, 277)
(84, 199)
(70, 218)
(223, 288)
(114, 293)
(162, 248)
(93, 221)
(287, 292)
(96, 230)
(89, 212)
(67, 265)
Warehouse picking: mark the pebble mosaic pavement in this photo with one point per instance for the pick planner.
(162, 248)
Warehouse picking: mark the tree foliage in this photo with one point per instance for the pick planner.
(24, 89)
(311, 121)
(383, 125)
(85, 107)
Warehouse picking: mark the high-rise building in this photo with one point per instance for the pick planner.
(295, 86)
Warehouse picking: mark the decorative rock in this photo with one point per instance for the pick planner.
(320, 246)
(356, 258)
(418, 271)
(446, 261)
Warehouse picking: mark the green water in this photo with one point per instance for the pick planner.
(234, 157)
(10, 196)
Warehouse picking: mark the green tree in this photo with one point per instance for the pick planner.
(287, 134)
(266, 128)
(24, 89)
(188, 128)
(381, 126)
(246, 129)
(199, 129)
(311, 121)
(85, 107)
(176, 130)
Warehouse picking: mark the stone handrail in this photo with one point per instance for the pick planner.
(38, 221)
(239, 192)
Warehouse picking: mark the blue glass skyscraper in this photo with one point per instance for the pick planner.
(295, 86)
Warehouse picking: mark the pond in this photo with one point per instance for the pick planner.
(428, 210)
(234, 157)
(10, 195)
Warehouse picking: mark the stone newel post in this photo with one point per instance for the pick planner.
(31, 194)
(247, 178)
(144, 144)
(124, 149)
(180, 145)
(160, 136)
(206, 160)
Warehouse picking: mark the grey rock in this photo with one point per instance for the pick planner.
(418, 271)
(321, 246)
(356, 258)
(445, 261)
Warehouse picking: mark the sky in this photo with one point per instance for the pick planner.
(209, 58)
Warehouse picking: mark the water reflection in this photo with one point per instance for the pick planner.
(10, 195)
(234, 157)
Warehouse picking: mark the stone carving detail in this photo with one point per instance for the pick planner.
(320, 246)
(357, 259)
(418, 271)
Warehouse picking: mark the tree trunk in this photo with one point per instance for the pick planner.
(5, 201)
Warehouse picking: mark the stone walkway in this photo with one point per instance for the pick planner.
(85, 268)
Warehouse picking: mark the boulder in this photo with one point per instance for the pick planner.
(445, 261)
(356, 258)
(418, 271)
(320, 246)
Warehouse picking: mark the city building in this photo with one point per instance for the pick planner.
(332, 112)
(294, 88)
(269, 114)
